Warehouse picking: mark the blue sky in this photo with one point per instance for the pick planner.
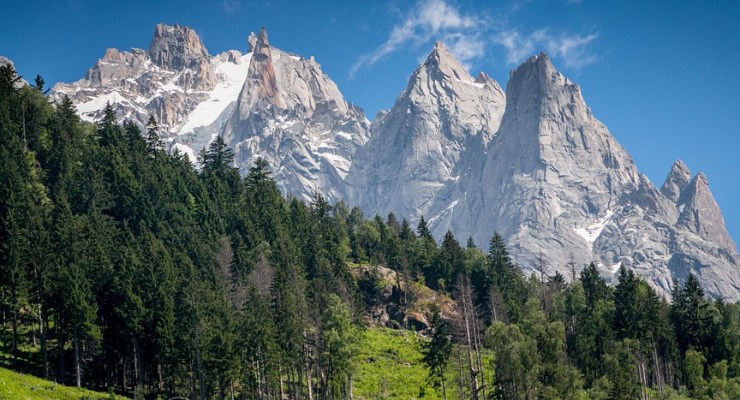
(664, 76)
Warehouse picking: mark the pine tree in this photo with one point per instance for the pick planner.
(437, 351)
(153, 141)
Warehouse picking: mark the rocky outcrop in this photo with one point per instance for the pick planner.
(392, 303)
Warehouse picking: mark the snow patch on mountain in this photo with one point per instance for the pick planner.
(593, 231)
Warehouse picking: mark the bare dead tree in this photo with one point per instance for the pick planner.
(468, 334)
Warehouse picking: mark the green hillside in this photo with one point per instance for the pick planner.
(17, 386)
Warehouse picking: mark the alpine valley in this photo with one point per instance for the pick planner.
(531, 163)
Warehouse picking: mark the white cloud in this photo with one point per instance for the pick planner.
(428, 19)
(230, 6)
(466, 48)
(468, 36)
(573, 50)
(517, 47)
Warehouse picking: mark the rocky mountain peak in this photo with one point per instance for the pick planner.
(701, 215)
(434, 134)
(676, 181)
(441, 64)
(537, 80)
(261, 42)
(175, 47)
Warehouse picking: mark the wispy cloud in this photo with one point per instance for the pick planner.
(470, 37)
(230, 6)
(428, 19)
(573, 50)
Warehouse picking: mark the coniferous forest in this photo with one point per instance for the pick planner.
(125, 269)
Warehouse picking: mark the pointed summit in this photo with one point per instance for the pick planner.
(262, 42)
(441, 64)
(552, 170)
(435, 132)
(537, 79)
(676, 181)
(175, 47)
(701, 215)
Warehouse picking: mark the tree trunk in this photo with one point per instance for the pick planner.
(160, 381)
(280, 375)
(309, 385)
(199, 366)
(492, 299)
(78, 368)
(467, 313)
(136, 368)
(60, 350)
(42, 337)
(15, 338)
(479, 358)
(656, 367)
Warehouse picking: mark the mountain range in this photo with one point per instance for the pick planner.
(530, 162)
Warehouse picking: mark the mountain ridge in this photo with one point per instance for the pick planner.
(531, 163)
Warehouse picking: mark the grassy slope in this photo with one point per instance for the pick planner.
(16, 386)
(390, 367)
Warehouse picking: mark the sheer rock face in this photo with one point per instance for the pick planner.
(533, 164)
(551, 172)
(700, 213)
(435, 133)
(291, 114)
(556, 183)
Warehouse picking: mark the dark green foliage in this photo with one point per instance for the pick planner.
(130, 270)
(437, 351)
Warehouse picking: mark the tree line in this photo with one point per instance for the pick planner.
(130, 270)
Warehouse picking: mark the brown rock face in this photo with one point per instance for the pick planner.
(262, 71)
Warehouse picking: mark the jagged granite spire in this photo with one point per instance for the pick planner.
(553, 174)
(261, 87)
(436, 130)
(700, 213)
(676, 181)
(294, 116)
(175, 47)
